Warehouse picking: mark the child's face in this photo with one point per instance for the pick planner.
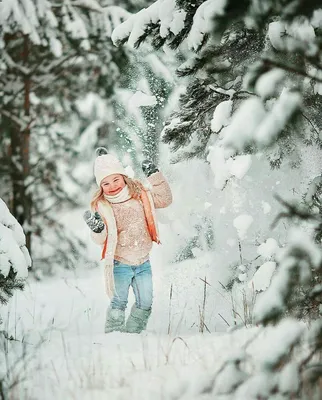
(113, 184)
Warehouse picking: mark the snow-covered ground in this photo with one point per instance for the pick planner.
(59, 350)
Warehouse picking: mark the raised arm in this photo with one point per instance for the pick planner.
(161, 192)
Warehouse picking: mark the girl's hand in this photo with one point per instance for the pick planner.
(94, 222)
(149, 168)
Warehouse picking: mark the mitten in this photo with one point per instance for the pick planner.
(94, 222)
(149, 168)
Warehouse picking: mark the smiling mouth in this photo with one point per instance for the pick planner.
(114, 191)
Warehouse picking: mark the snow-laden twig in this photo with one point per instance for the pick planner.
(12, 64)
(21, 122)
(290, 68)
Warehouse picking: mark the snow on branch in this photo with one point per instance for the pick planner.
(13, 250)
(296, 262)
(25, 17)
(91, 5)
(263, 128)
(76, 19)
(275, 121)
(203, 22)
(12, 64)
(113, 17)
(314, 191)
(162, 13)
(298, 36)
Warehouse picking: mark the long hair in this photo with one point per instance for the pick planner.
(135, 189)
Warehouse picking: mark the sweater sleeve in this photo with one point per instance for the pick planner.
(161, 192)
(99, 238)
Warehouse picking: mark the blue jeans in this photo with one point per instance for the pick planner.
(140, 278)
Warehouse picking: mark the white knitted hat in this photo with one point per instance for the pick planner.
(106, 164)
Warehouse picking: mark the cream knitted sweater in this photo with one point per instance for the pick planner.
(133, 239)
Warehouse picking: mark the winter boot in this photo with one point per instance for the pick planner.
(137, 320)
(115, 319)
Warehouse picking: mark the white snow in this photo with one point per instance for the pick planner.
(289, 378)
(66, 343)
(13, 251)
(203, 21)
(268, 248)
(313, 187)
(221, 116)
(159, 67)
(291, 37)
(262, 127)
(216, 157)
(240, 165)
(207, 205)
(260, 385)
(276, 30)
(164, 12)
(299, 238)
(224, 167)
(56, 47)
(177, 21)
(275, 121)
(272, 300)
(316, 20)
(266, 207)
(141, 99)
(279, 341)
(37, 19)
(303, 31)
(242, 268)
(262, 277)
(113, 17)
(242, 277)
(317, 85)
(242, 224)
(239, 134)
(129, 171)
(230, 377)
(266, 84)
(231, 242)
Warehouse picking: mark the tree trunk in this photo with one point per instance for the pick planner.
(20, 149)
(25, 148)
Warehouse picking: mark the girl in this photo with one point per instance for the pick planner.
(123, 222)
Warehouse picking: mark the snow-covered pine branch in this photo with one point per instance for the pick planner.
(313, 195)
(162, 17)
(91, 5)
(296, 262)
(221, 51)
(14, 255)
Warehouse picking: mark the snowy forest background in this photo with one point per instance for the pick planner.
(225, 96)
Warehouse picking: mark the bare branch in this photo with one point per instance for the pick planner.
(293, 211)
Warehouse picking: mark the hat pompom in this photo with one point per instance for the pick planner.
(100, 151)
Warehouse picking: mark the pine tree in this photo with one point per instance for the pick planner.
(67, 53)
(225, 40)
(50, 59)
(257, 75)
